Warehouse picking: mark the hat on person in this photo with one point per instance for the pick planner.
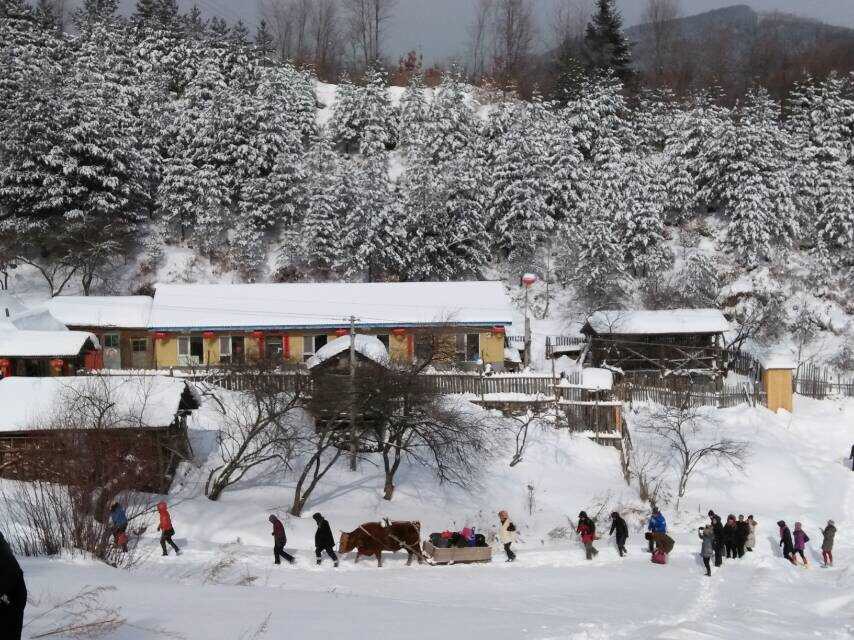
(582, 514)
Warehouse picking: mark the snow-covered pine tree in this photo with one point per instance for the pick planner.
(605, 44)
(450, 122)
(700, 281)
(412, 113)
(520, 213)
(326, 202)
(567, 175)
(642, 218)
(680, 187)
(600, 109)
(594, 265)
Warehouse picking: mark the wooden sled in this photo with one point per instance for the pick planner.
(457, 555)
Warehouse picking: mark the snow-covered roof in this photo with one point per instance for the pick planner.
(121, 312)
(778, 359)
(327, 305)
(10, 306)
(139, 401)
(368, 346)
(43, 344)
(659, 322)
(594, 379)
(511, 354)
(37, 320)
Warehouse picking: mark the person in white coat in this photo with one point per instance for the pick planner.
(751, 536)
(507, 534)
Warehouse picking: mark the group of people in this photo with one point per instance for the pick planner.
(323, 541)
(119, 522)
(794, 543)
(736, 537)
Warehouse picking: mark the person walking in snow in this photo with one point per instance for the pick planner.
(323, 539)
(507, 534)
(619, 526)
(13, 593)
(657, 524)
(751, 536)
(786, 542)
(827, 534)
(852, 457)
(800, 538)
(742, 531)
(166, 529)
(586, 529)
(730, 536)
(707, 548)
(279, 541)
(119, 520)
(718, 531)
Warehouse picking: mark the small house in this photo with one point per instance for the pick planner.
(220, 324)
(680, 341)
(127, 428)
(119, 322)
(46, 353)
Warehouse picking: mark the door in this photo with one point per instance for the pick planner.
(112, 351)
(238, 355)
(139, 358)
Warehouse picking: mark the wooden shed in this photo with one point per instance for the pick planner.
(94, 429)
(666, 341)
(46, 353)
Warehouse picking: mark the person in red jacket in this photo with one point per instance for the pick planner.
(587, 530)
(166, 530)
(279, 541)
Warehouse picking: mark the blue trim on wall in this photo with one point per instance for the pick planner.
(326, 327)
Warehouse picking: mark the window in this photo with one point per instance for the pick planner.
(426, 347)
(472, 347)
(139, 345)
(111, 340)
(225, 349)
(273, 348)
(190, 351)
(383, 337)
(311, 345)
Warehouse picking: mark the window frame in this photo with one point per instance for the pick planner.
(115, 335)
(136, 341)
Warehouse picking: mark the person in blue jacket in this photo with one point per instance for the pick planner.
(119, 520)
(657, 524)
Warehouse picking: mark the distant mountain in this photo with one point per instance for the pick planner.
(739, 45)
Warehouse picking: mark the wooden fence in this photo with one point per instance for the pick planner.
(554, 344)
(693, 396)
(815, 382)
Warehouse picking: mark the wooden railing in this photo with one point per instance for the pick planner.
(554, 343)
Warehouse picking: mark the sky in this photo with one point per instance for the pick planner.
(438, 27)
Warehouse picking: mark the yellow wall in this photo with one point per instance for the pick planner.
(166, 352)
(295, 346)
(492, 348)
(778, 386)
(253, 348)
(211, 350)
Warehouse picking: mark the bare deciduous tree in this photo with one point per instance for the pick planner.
(688, 436)
(259, 425)
(367, 21)
(479, 33)
(568, 21)
(662, 17)
(514, 28)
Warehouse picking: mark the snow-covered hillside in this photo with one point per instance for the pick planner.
(224, 584)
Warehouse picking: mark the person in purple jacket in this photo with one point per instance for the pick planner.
(800, 539)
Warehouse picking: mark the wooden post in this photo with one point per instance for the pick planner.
(354, 435)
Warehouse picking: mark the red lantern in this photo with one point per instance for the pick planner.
(208, 335)
(341, 332)
(286, 346)
(258, 335)
(398, 332)
(4, 362)
(528, 279)
(498, 331)
(161, 335)
(56, 363)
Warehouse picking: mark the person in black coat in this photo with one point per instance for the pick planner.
(718, 531)
(786, 542)
(323, 540)
(742, 530)
(13, 593)
(852, 457)
(730, 537)
(619, 526)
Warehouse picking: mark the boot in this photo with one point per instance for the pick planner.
(335, 564)
(318, 561)
(165, 553)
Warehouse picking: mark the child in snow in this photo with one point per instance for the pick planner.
(323, 539)
(657, 524)
(587, 530)
(828, 534)
(801, 538)
(707, 548)
(119, 520)
(279, 541)
(786, 542)
(751, 536)
(507, 534)
(166, 530)
(619, 526)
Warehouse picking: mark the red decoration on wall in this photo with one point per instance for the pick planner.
(286, 347)
(161, 335)
(341, 332)
(398, 332)
(258, 335)
(410, 346)
(57, 363)
(498, 330)
(5, 367)
(208, 335)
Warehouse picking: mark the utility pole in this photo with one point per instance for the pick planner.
(527, 280)
(354, 434)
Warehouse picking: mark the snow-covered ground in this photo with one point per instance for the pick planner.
(224, 585)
